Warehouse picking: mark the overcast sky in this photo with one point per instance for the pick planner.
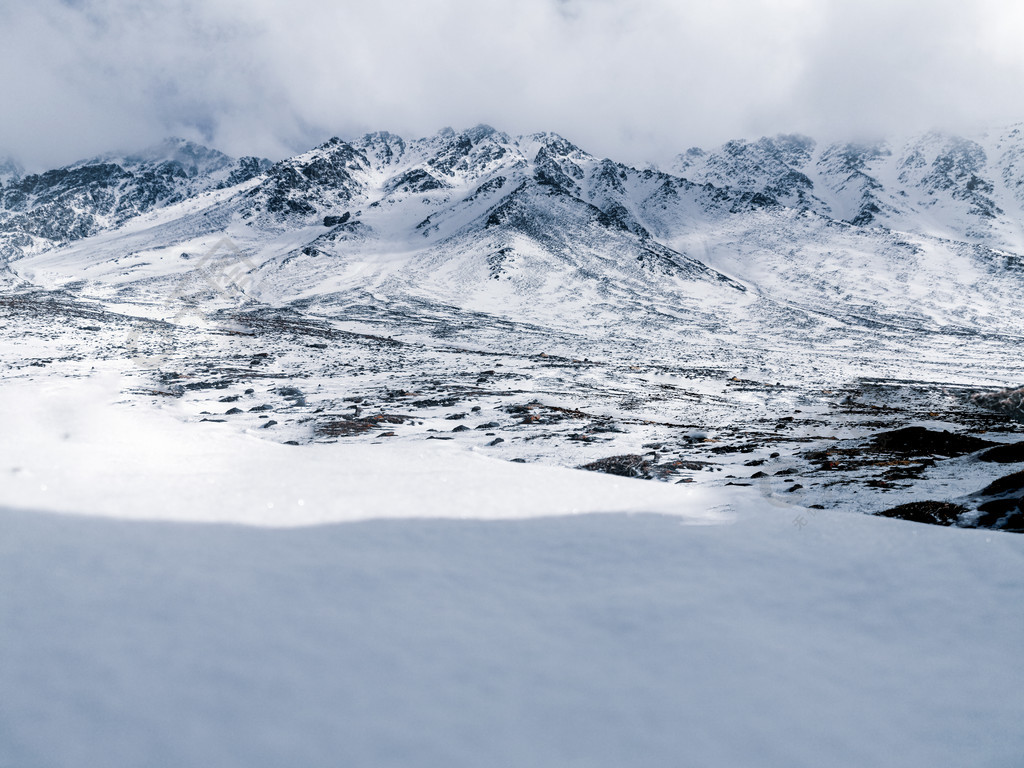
(630, 79)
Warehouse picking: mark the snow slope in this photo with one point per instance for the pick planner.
(595, 640)
(83, 450)
(764, 635)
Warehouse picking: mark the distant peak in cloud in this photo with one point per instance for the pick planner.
(628, 80)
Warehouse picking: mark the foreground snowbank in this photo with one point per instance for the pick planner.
(604, 640)
(68, 446)
(770, 637)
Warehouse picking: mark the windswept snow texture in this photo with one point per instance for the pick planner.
(598, 641)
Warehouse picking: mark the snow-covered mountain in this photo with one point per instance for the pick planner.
(40, 211)
(779, 233)
(935, 183)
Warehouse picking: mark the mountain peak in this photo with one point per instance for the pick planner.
(196, 159)
(478, 133)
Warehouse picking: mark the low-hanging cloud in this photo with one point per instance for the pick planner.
(632, 79)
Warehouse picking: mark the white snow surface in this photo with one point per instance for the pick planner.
(80, 451)
(767, 635)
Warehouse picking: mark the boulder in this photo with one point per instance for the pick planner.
(918, 441)
(931, 512)
(627, 465)
(1011, 453)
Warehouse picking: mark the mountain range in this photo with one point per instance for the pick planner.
(925, 231)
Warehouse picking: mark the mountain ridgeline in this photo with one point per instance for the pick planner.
(487, 220)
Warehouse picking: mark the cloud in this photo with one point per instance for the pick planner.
(632, 79)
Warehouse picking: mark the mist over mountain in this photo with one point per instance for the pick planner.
(633, 81)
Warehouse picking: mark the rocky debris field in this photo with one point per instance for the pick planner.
(923, 451)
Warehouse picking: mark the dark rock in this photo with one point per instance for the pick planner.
(600, 429)
(1008, 401)
(628, 465)
(489, 425)
(415, 180)
(1000, 507)
(1004, 454)
(230, 399)
(733, 449)
(354, 425)
(233, 411)
(919, 441)
(333, 221)
(1005, 485)
(289, 392)
(455, 416)
(757, 475)
(1014, 523)
(258, 408)
(195, 386)
(270, 423)
(931, 512)
(692, 466)
(817, 455)
(788, 471)
(250, 391)
(475, 409)
(443, 402)
(1001, 515)
(496, 441)
(461, 428)
(794, 487)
